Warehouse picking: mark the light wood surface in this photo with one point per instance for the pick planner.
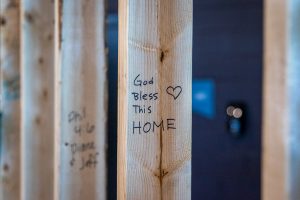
(38, 99)
(155, 48)
(281, 155)
(83, 117)
(10, 100)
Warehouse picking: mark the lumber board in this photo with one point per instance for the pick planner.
(281, 155)
(154, 108)
(10, 158)
(83, 90)
(38, 99)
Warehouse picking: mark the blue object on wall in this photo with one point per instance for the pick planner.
(203, 97)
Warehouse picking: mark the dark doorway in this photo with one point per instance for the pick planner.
(227, 49)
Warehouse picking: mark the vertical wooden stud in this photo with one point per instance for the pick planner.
(10, 103)
(38, 99)
(155, 75)
(57, 96)
(281, 129)
(83, 100)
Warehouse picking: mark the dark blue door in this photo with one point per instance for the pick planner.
(227, 50)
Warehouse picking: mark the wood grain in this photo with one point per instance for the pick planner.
(83, 114)
(38, 99)
(10, 100)
(155, 43)
(281, 156)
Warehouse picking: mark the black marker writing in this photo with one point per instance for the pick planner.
(75, 116)
(147, 127)
(174, 91)
(90, 162)
(82, 147)
(138, 82)
(142, 109)
(144, 96)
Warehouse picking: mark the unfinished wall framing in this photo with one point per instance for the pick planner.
(53, 100)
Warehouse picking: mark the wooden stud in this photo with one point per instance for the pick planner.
(38, 99)
(281, 128)
(83, 117)
(10, 100)
(155, 75)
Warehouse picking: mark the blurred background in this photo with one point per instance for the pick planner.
(227, 99)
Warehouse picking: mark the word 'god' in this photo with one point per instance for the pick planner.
(151, 127)
(139, 82)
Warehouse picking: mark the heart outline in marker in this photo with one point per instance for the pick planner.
(173, 91)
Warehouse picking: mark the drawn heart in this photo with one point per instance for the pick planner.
(174, 91)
